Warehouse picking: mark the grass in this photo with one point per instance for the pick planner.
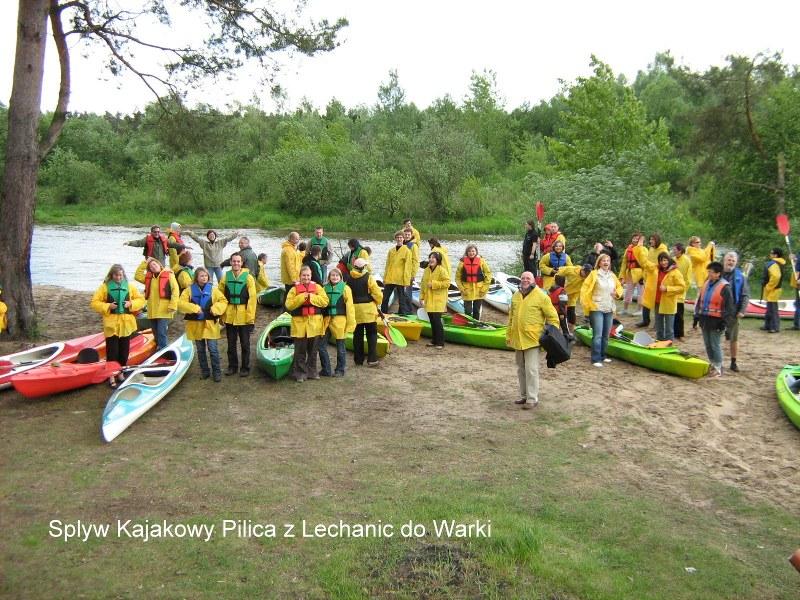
(566, 522)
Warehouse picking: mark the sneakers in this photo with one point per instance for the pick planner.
(244, 372)
(217, 377)
(606, 360)
(373, 363)
(520, 401)
(231, 370)
(597, 364)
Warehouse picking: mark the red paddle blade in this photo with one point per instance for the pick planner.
(539, 211)
(459, 319)
(782, 221)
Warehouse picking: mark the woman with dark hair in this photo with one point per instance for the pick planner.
(203, 305)
(530, 244)
(213, 247)
(117, 302)
(444, 260)
(433, 296)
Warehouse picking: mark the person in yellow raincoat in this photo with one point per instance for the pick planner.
(339, 320)
(598, 294)
(118, 303)
(771, 282)
(291, 260)
(203, 305)
(397, 275)
(433, 296)
(162, 293)
(305, 302)
(700, 258)
(184, 273)
(573, 281)
(551, 262)
(408, 240)
(366, 298)
(655, 247)
(407, 224)
(239, 288)
(664, 286)
(530, 309)
(685, 267)
(3, 317)
(174, 239)
(262, 281)
(630, 274)
(473, 278)
(436, 246)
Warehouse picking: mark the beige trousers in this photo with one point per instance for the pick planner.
(528, 374)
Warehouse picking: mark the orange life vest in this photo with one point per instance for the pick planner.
(714, 307)
(150, 242)
(632, 262)
(164, 290)
(548, 240)
(306, 309)
(472, 272)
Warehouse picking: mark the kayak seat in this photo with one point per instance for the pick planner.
(282, 340)
(793, 384)
(87, 356)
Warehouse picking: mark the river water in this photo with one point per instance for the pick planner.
(78, 257)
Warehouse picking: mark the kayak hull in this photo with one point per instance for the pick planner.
(665, 360)
(789, 400)
(411, 330)
(272, 297)
(382, 347)
(490, 335)
(499, 297)
(275, 350)
(758, 308)
(148, 384)
(57, 377)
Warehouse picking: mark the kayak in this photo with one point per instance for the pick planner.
(758, 308)
(670, 360)
(499, 296)
(411, 330)
(149, 383)
(382, 348)
(57, 377)
(454, 300)
(512, 281)
(275, 350)
(273, 296)
(471, 332)
(787, 385)
(19, 362)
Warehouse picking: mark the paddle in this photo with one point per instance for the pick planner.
(465, 321)
(390, 333)
(537, 255)
(160, 365)
(423, 315)
(782, 221)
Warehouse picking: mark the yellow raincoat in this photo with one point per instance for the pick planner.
(527, 318)
(308, 326)
(685, 267)
(573, 283)
(291, 261)
(433, 290)
(544, 264)
(626, 273)
(399, 266)
(115, 324)
(476, 290)
(772, 291)
(676, 287)
(157, 307)
(652, 253)
(207, 329)
(240, 314)
(3, 318)
(173, 253)
(262, 282)
(340, 325)
(183, 278)
(587, 290)
(700, 259)
(366, 312)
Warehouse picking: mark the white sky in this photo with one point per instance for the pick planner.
(436, 44)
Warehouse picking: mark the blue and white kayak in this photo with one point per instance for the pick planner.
(454, 300)
(510, 281)
(150, 381)
(499, 297)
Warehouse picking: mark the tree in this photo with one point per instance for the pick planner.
(240, 30)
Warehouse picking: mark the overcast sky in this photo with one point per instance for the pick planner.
(436, 44)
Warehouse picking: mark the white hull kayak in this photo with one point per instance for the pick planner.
(499, 297)
(149, 383)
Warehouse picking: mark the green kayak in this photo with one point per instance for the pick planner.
(273, 296)
(788, 387)
(275, 350)
(471, 332)
(667, 360)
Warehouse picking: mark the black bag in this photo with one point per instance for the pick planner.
(555, 344)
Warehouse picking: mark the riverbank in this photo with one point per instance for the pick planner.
(623, 484)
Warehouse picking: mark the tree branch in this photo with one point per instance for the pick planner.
(60, 112)
(749, 111)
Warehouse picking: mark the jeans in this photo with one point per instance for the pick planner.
(678, 325)
(601, 329)
(645, 315)
(437, 328)
(772, 321)
(215, 272)
(117, 349)
(664, 326)
(213, 350)
(240, 333)
(712, 338)
(371, 331)
(324, 357)
(472, 308)
(159, 327)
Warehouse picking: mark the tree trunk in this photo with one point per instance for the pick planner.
(780, 191)
(18, 198)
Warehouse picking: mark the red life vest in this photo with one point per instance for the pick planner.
(472, 272)
(177, 237)
(632, 262)
(164, 289)
(715, 306)
(149, 243)
(548, 240)
(554, 294)
(306, 309)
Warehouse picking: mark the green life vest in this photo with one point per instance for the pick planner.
(336, 304)
(323, 246)
(187, 269)
(236, 288)
(117, 293)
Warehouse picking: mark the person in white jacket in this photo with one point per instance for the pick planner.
(213, 247)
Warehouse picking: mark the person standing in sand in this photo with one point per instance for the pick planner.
(740, 289)
(716, 311)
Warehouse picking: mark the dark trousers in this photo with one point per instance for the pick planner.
(645, 315)
(472, 308)
(529, 264)
(678, 325)
(371, 331)
(772, 321)
(572, 317)
(240, 334)
(118, 348)
(437, 329)
(399, 294)
(305, 357)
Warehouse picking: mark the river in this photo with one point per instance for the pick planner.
(78, 257)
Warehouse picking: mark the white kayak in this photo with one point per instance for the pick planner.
(512, 281)
(149, 383)
(499, 297)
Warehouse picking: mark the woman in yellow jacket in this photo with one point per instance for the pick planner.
(433, 296)
(366, 298)
(663, 286)
(305, 302)
(771, 289)
(436, 246)
(203, 305)
(262, 281)
(473, 277)
(574, 277)
(551, 262)
(630, 274)
(117, 302)
(685, 267)
(397, 274)
(339, 320)
(651, 253)
(598, 294)
(530, 309)
(700, 258)
(162, 293)
(239, 288)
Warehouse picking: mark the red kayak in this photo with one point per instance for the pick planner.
(19, 362)
(57, 377)
(758, 308)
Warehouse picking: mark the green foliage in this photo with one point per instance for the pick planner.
(386, 191)
(70, 180)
